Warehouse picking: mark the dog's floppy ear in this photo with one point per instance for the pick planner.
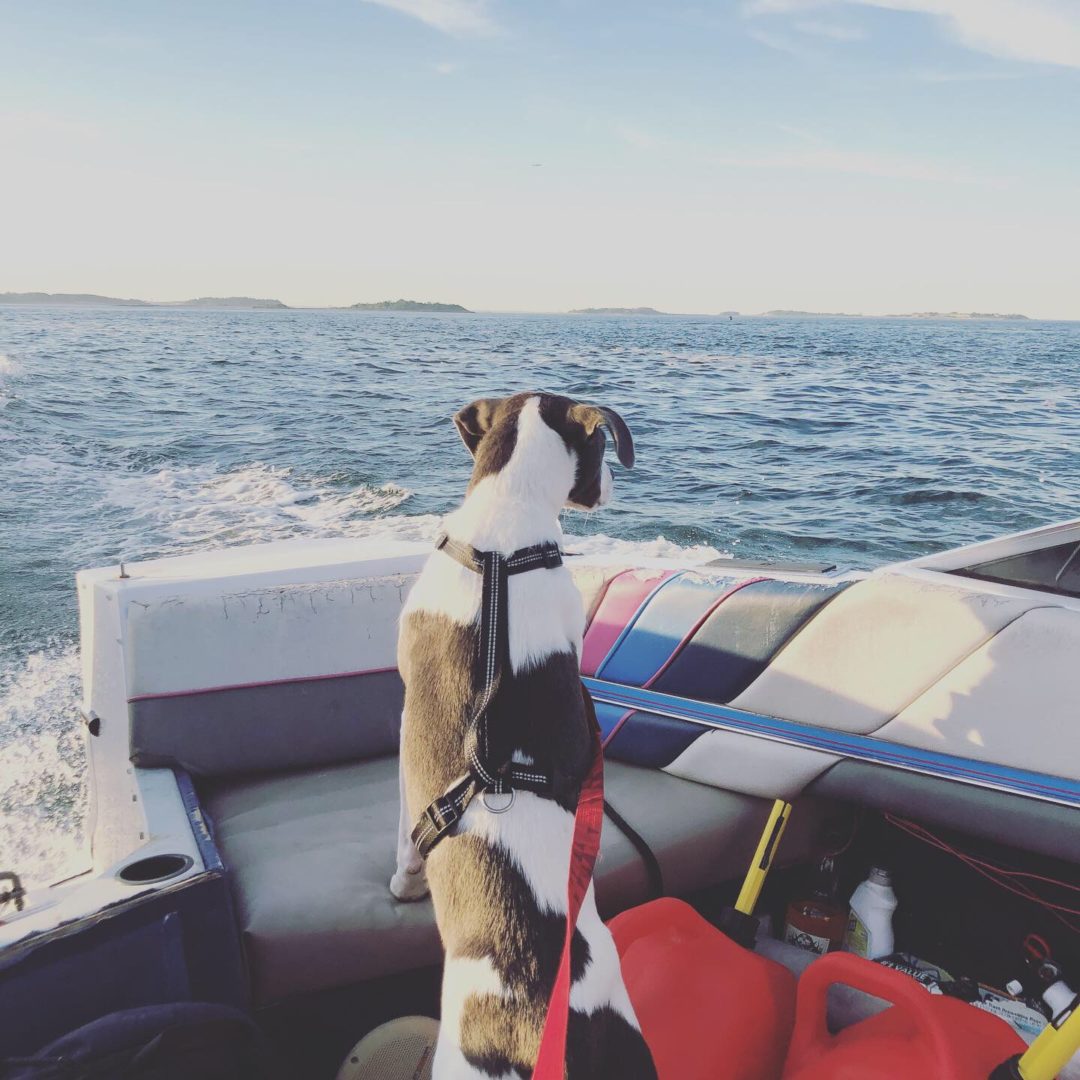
(592, 416)
(474, 421)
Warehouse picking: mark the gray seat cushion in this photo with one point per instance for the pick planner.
(310, 855)
(218, 732)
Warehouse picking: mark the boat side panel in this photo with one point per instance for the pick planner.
(1028, 824)
(168, 945)
(117, 822)
(182, 643)
(290, 724)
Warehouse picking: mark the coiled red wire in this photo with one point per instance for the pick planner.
(1004, 877)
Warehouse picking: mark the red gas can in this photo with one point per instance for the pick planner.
(922, 1035)
(708, 1008)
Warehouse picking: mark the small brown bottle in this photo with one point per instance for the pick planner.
(816, 921)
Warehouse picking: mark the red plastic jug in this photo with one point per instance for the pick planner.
(922, 1035)
(708, 1008)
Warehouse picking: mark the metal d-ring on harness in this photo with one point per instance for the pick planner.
(485, 776)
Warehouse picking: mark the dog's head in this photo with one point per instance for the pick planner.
(494, 429)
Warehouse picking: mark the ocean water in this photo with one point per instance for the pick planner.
(133, 433)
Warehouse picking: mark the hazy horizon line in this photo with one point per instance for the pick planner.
(584, 309)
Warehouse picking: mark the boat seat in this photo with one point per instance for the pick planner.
(310, 854)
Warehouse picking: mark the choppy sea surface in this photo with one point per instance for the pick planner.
(135, 433)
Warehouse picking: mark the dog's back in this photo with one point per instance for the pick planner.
(499, 883)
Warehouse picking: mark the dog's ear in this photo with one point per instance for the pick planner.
(474, 421)
(592, 416)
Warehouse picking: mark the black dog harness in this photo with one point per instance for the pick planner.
(493, 657)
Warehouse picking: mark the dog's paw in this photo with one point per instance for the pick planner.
(406, 886)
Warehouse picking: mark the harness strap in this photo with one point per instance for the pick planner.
(492, 658)
(546, 555)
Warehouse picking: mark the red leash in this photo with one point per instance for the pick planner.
(588, 821)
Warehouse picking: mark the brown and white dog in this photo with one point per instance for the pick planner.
(499, 884)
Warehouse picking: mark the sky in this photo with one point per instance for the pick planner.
(867, 156)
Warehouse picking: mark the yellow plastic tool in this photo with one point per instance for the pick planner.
(763, 857)
(1052, 1050)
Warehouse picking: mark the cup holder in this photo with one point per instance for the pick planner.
(155, 868)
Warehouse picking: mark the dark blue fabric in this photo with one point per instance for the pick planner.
(607, 716)
(297, 723)
(652, 741)
(658, 630)
(741, 637)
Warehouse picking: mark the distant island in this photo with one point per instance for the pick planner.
(228, 302)
(410, 305)
(92, 300)
(87, 299)
(959, 315)
(616, 311)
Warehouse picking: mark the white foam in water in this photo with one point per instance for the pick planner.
(660, 548)
(179, 509)
(42, 766)
(198, 505)
(8, 370)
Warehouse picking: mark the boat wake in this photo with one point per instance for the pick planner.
(42, 766)
(191, 506)
(140, 513)
(8, 371)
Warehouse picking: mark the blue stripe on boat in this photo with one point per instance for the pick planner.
(660, 626)
(860, 747)
(633, 619)
(607, 717)
(650, 739)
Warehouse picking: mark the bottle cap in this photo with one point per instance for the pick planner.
(880, 876)
(1014, 987)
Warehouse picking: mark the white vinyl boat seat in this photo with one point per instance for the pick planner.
(310, 854)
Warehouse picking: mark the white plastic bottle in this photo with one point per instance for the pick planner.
(1058, 995)
(869, 930)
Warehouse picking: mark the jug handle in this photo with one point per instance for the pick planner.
(810, 1030)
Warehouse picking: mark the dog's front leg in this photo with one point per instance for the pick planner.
(409, 881)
